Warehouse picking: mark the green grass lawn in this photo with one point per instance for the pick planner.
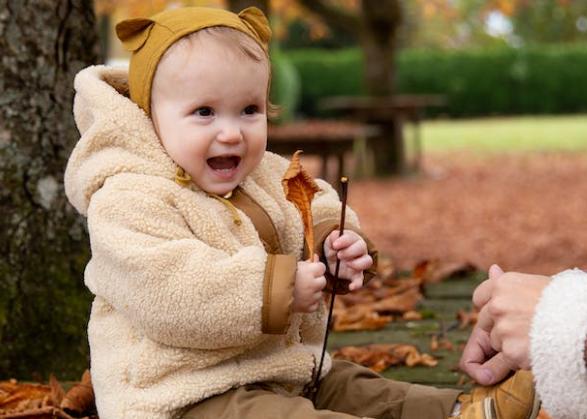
(507, 134)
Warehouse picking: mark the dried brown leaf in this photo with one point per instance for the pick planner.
(57, 392)
(359, 317)
(433, 271)
(400, 303)
(300, 188)
(379, 357)
(14, 395)
(437, 343)
(467, 318)
(49, 412)
(412, 315)
(80, 398)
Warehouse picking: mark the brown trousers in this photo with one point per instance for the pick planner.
(348, 391)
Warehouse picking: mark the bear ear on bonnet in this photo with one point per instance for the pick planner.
(134, 32)
(258, 23)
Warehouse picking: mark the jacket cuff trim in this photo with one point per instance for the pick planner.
(557, 345)
(280, 275)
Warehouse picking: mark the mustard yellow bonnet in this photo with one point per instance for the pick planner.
(149, 38)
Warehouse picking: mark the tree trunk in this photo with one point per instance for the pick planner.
(381, 20)
(43, 303)
(376, 28)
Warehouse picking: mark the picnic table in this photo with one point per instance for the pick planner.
(324, 138)
(390, 113)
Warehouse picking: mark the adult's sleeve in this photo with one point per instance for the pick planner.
(557, 346)
(172, 286)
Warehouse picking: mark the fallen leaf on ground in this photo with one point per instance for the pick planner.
(379, 357)
(437, 343)
(385, 268)
(467, 318)
(412, 315)
(80, 398)
(433, 271)
(39, 401)
(399, 303)
(359, 317)
(16, 396)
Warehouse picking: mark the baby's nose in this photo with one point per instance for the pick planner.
(230, 133)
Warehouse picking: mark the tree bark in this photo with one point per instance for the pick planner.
(43, 242)
(381, 20)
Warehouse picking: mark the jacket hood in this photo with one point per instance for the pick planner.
(116, 136)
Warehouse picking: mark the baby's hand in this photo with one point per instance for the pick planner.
(310, 282)
(352, 252)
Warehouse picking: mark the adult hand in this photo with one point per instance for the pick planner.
(507, 304)
(500, 341)
(479, 360)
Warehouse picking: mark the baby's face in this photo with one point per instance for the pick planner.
(209, 109)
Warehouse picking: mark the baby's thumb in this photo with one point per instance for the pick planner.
(495, 271)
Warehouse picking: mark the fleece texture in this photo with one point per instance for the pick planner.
(557, 346)
(178, 286)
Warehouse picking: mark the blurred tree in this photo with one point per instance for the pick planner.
(545, 21)
(375, 23)
(466, 23)
(44, 246)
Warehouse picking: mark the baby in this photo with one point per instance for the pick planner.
(206, 302)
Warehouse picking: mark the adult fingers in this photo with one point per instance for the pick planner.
(495, 271)
(497, 368)
(482, 293)
(484, 320)
(476, 352)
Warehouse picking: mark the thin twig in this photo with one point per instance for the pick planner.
(344, 186)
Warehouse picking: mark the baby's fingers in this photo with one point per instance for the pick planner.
(347, 239)
(357, 283)
(355, 250)
(361, 263)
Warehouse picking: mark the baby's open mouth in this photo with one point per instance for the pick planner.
(224, 163)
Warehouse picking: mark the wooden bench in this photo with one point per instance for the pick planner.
(324, 138)
(387, 111)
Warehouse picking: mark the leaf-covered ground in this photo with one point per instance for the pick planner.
(527, 212)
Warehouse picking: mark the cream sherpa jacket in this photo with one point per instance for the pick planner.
(179, 288)
(557, 346)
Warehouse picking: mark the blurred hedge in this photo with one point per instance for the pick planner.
(533, 80)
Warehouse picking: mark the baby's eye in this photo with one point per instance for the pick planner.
(204, 111)
(251, 110)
